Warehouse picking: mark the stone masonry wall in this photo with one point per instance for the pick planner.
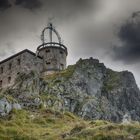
(54, 59)
(22, 63)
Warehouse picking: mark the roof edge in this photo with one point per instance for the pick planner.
(19, 53)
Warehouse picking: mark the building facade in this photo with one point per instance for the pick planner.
(49, 58)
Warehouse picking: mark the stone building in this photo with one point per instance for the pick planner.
(54, 54)
(49, 58)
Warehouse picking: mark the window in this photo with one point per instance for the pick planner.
(47, 51)
(0, 83)
(18, 61)
(9, 79)
(10, 66)
(61, 52)
(1, 70)
(48, 63)
(61, 66)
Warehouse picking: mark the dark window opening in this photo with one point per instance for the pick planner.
(61, 66)
(1, 83)
(18, 61)
(61, 52)
(9, 79)
(10, 66)
(48, 63)
(47, 51)
(18, 73)
(1, 69)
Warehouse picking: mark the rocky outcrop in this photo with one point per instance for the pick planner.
(93, 91)
(7, 106)
(88, 89)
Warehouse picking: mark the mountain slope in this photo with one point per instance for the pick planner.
(92, 91)
(87, 89)
(53, 125)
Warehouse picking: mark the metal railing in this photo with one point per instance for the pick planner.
(52, 44)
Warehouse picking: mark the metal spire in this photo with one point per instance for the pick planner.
(51, 29)
(50, 41)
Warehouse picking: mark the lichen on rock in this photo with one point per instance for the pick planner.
(88, 89)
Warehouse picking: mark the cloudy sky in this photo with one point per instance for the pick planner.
(105, 29)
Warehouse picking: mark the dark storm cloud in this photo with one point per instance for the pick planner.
(57, 7)
(129, 35)
(18, 20)
(4, 4)
(60, 8)
(68, 8)
(29, 4)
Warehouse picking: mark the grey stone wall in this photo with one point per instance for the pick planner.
(54, 59)
(23, 63)
(32, 62)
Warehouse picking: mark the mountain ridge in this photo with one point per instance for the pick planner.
(87, 89)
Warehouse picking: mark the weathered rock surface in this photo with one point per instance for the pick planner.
(6, 106)
(88, 89)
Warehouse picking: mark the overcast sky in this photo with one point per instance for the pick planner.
(105, 29)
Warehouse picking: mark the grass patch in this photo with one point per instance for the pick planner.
(45, 124)
(65, 74)
(112, 80)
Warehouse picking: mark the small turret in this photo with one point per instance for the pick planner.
(53, 53)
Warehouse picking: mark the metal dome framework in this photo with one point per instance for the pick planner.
(51, 43)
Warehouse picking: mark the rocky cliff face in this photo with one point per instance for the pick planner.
(88, 89)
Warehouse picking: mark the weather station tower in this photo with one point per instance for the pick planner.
(53, 53)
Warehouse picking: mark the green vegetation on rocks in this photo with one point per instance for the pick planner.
(66, 74)
(112, 80)
(47, 108)
(52, 125)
